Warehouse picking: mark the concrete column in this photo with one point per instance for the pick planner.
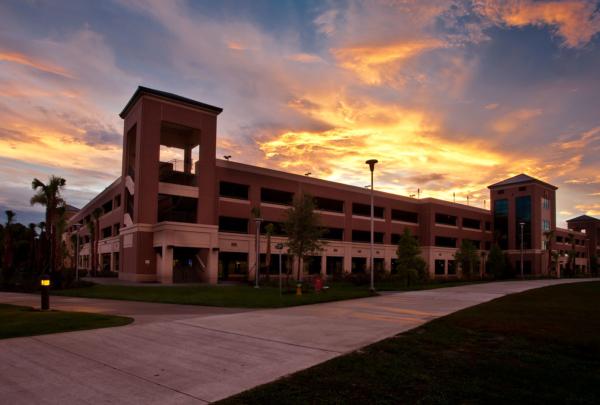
(324, 264)
(347, 259)
(165, 273)
(187, 159)
(112, 260)
(213, 266)
(388, 263)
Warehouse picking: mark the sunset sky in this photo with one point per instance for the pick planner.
(449, 96)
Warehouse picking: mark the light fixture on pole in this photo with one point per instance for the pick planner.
(257, 221)
(522, 226)
(371, 164)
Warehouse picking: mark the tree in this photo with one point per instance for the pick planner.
(302, 228)
(496, 263)
(7, 258)
(411, 266)
(269, 229)
(48, 195)
(467, 257)
(570, 267)
(594, 265)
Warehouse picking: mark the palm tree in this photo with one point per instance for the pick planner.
(7, 258)
(49, 196)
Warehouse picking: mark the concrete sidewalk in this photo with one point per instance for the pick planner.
(212, 356)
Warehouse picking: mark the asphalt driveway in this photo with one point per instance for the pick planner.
(177, 354)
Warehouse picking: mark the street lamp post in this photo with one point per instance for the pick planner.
(522, 226)
(257, 221)
(279, 247)
(371, 164)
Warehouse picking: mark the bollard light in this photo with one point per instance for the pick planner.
(45, 292)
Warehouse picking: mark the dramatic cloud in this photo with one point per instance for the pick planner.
(450, 96)
(371, 63)
(576, 22)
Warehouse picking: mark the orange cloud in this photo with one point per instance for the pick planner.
(584, 139)
(575, 21)
(371, 63)
(27, 61)
(515, 119)
(304, 58)
(589, 209)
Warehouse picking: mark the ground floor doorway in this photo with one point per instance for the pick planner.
(233, 266)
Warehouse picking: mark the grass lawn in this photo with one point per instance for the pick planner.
(238, 296)
(17, 321)
(540, 346)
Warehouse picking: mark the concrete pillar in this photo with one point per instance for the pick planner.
(324, 264)
(213, 266)
(347, 259)
(112, 262)
(388, 263)
(165, 271)
(187, 159)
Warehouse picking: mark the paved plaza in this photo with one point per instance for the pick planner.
(175, 354)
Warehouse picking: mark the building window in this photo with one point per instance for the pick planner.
(444, 241)
(177, 208)
(522, 188)
(364, 210)
(474, 242)
(106, 232)
(329, 204)
(545, 225)
(333, 233)
(488, 226)
(233, 190)
(269, 195)
(278, 228)
(405, 216)
(471, 223)
(395, 238)
(365, 236)
(118, 201)
(440, 267)
(231, 224)
(107, 207)
(523, 211)
(116, 228)
(445, 219)
(545, 203)
(451, 267)
(501, 222)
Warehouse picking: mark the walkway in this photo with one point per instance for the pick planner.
(199, 359)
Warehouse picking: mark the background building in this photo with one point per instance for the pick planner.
(178, 214)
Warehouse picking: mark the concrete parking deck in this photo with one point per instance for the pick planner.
(198, 358)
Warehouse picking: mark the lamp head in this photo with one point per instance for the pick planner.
(45, 281)
(371, 163)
